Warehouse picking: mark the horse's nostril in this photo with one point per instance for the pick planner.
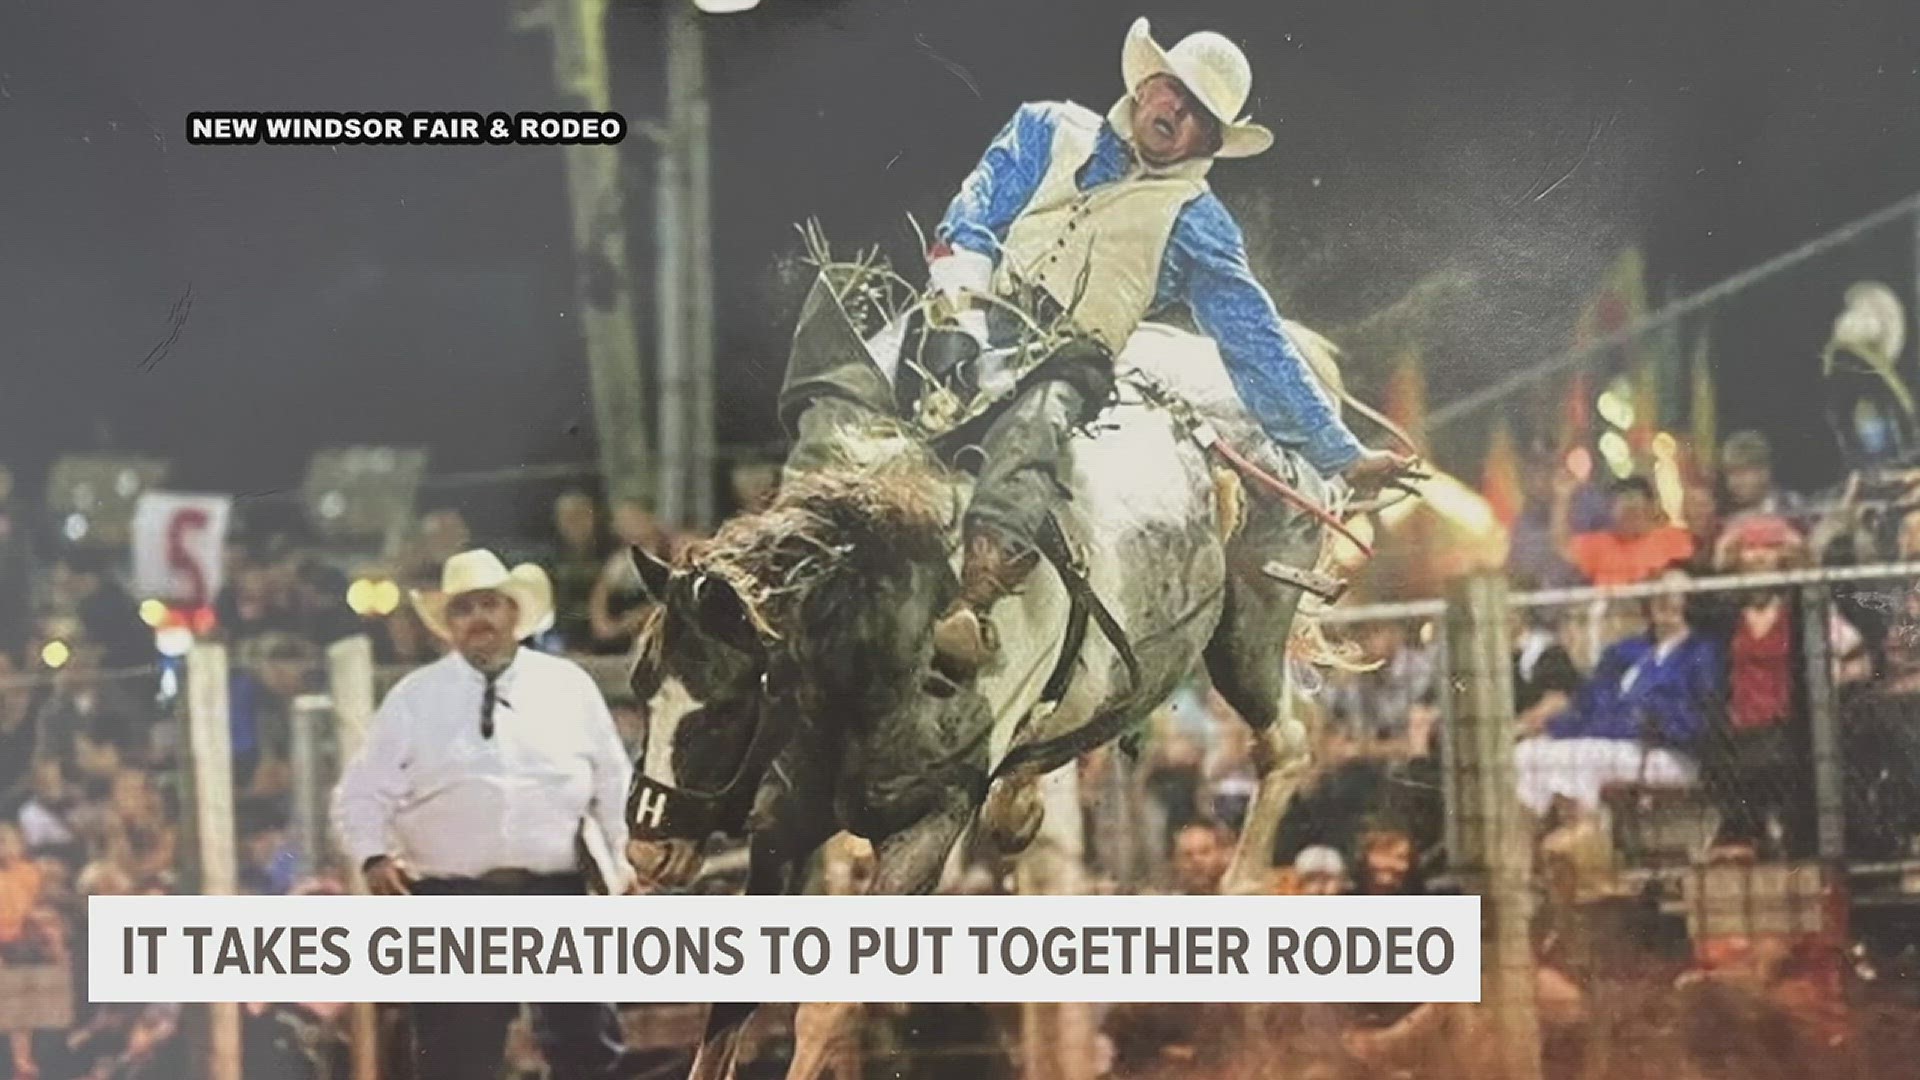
(939, 686)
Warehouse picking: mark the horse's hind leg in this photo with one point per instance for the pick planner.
(1247, 661)
(906, 863)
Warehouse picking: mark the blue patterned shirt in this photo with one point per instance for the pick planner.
(1205, 267)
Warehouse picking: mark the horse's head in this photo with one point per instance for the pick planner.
(700, 668)
(830, 595)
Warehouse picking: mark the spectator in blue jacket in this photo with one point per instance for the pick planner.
(1640, 717)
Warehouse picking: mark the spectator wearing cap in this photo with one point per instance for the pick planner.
(1746, 472)
(1637, 544)
(1320, 871)
(479, 774)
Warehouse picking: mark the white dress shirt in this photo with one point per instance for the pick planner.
(429, 788)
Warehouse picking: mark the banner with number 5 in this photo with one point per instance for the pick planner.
(178, 544)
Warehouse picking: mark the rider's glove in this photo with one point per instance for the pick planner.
(958, 271)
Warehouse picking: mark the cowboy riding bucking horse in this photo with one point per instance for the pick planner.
(1115, 213)
(819, 666)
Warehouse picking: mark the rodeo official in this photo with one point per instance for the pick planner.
(1110, 218)
(479, 772)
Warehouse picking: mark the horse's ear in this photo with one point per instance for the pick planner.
(719, 610)
(654, 574)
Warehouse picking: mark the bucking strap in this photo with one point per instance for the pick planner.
(1086, 603)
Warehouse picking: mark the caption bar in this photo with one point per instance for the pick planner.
(404, 129)
(783, 948)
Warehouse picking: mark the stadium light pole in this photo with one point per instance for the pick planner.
(684, 280)
(673, 458)
(603, 282)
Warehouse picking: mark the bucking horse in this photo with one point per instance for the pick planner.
(789, 662)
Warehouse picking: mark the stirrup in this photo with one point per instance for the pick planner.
(1325, 586)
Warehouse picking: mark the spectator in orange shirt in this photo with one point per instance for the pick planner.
(20, 884)
(19, 888)
(1638, 547)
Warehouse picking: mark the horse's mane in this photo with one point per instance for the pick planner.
(858, 509)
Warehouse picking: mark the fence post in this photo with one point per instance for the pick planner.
(1829, 795)
(350, 684)
(1056, 1038)
(210, 765)
(307, 718)
(1496, 854)
(350, 681)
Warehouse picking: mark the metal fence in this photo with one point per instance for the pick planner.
(1690, 806)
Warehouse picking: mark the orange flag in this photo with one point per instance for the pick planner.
(1500, 476)
(1406, 398)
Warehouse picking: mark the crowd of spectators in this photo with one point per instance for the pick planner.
(92, 788)
(1705, 694)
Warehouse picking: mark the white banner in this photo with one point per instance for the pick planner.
(783, 948)
(179, 544)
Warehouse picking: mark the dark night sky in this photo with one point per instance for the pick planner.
(420, 295)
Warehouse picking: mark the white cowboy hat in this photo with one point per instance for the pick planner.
(471, 571)
(1873, 322)
(1213, 69)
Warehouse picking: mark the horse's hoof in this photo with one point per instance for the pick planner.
(1011, 816)
(665, 864)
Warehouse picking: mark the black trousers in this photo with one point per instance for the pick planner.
(580, 1040)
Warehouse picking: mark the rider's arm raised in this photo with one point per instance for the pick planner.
(1207, 265)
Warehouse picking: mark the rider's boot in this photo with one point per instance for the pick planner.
(963, 639)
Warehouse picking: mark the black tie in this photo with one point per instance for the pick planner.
(488, 700)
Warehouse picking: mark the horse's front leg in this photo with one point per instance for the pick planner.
(906, 863)
(789, 823)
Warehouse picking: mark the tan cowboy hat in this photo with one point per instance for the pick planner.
(1213, 69)
(471, 571)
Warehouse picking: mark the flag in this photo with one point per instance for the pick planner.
(1500, 475)
(1620, 302)
(1576, 413)
(1704, 423)
(1406, 398)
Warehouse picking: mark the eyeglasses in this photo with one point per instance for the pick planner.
(488, 699)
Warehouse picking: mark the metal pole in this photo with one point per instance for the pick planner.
(603, 281)
(1829, 796)
(671, 254)
(700, 421)
(210, 761)
(1497, 855)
